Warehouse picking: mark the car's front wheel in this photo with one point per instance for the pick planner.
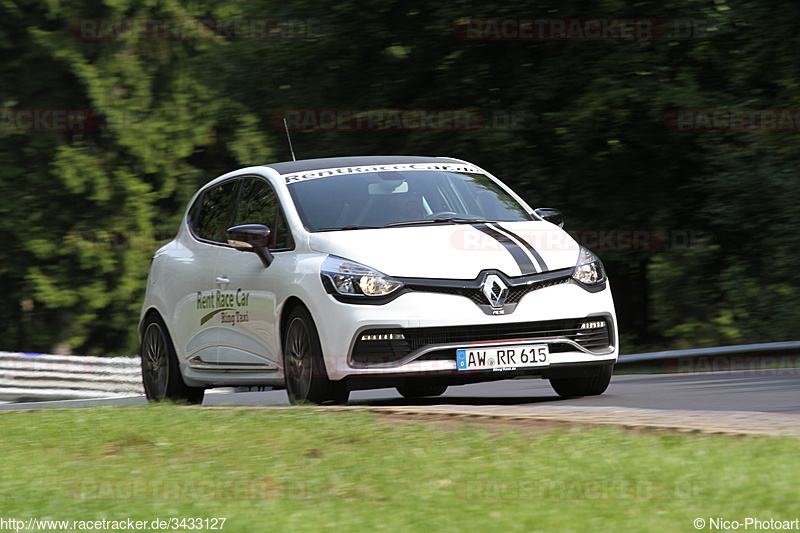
(306, 378)
(583, 386)
(161, 375)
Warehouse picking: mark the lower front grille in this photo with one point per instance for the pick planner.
(406, 341)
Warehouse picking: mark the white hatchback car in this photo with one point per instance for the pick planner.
(330, 275)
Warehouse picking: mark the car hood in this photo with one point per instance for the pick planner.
(454, 251)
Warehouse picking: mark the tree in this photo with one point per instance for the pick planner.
(84, 207)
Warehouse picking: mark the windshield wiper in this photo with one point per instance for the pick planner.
(440, 220)
(346, 228)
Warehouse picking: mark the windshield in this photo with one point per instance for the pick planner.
(378, 199)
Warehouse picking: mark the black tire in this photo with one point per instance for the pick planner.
(161, 375)
(583, 386)
(421, 391)
(306, 378)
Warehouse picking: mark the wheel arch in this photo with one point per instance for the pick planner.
(154, 312)
(146, 315)
(292, 303)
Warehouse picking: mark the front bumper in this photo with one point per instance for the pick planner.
(434, 325)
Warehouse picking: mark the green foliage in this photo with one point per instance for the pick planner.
(82, 211)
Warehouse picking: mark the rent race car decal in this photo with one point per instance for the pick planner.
(327, 172)
(519, 248)
(230, 306)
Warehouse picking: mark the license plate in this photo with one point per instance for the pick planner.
(505, 358)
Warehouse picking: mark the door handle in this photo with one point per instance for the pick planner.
(222, 280)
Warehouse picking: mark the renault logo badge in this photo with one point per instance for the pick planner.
(495, 290)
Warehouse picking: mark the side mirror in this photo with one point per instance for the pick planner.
(551, 215)
(251, 238)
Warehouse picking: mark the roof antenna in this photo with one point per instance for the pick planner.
(286, 127)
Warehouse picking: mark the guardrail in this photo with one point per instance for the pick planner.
(741, 349)
(39, 377)
(718, 359)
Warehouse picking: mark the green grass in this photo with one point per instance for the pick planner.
(307, 470)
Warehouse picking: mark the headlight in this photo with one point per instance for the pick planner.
(349, 278)
(589, 269)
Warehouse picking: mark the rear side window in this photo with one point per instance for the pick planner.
(259, 205)
(213, 218)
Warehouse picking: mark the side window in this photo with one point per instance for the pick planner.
(214, 216)
(259, 205)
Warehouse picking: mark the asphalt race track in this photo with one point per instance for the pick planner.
(770, 391)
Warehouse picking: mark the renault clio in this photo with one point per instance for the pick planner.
(326, 276)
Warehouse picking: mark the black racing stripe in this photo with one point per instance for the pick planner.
(519, 255)
(528, 247)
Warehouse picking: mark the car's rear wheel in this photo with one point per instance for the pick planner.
(306, 378)
(421, 391)
(583, 386)
(161, 375)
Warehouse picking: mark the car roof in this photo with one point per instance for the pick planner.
(289, 167)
